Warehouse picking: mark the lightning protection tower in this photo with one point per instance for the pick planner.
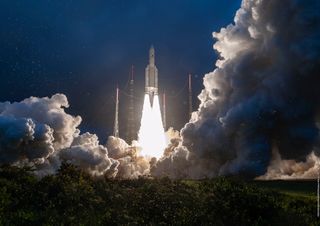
(131, 114)
(116, 116)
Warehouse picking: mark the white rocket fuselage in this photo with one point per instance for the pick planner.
(151, 86)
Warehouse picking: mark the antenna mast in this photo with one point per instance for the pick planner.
(116, 116)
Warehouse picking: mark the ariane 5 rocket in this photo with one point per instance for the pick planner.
(151, 87)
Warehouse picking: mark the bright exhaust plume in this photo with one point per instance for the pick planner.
(151, 134)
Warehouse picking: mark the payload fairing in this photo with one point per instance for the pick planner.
(151, 86)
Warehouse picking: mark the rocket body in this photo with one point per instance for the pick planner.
(151, 86)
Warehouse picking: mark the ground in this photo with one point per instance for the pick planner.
(72, 197)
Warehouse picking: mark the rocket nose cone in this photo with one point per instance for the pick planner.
(151, 50)
(151, 56)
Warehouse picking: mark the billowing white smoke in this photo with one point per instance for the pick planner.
(23, 137)
(86, 152)
(132, 165)
(38, 132)
(46, 111)
(264, 95)
(258, 113)
(290, 169)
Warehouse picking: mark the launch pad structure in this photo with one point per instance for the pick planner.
(131, 123)
(152, 89)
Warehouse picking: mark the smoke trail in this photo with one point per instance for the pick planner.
(263, 94)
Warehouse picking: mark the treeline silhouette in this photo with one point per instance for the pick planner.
(72, 197)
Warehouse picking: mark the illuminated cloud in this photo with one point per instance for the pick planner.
(38, 132)
(258, 116)
(264, 94)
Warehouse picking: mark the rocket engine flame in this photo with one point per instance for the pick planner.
(151, 134)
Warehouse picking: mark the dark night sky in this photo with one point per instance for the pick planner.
(84, 48)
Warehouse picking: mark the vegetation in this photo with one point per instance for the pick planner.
(72, 197)
(306, 188)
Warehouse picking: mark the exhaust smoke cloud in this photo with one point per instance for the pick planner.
(258, 117)
(264, 95)
(38, 132)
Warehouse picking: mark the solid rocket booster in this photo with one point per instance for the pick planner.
(151, 87)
